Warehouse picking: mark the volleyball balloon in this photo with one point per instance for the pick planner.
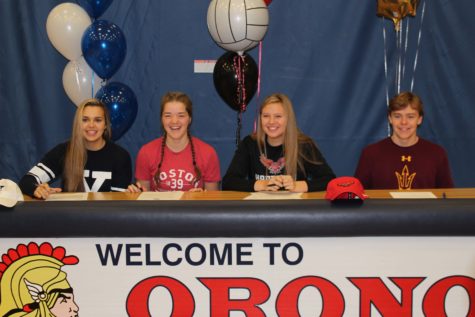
(237, 25)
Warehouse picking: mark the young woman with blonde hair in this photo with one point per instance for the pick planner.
(278, 156)
(176, 161)
(89, 161)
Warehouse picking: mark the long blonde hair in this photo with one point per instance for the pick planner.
(76, 153)
(294, 139)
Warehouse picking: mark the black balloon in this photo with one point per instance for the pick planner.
(235, 79)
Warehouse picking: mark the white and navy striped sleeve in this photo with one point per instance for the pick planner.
(47, 170)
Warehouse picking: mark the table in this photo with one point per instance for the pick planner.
(223, 213)
(404, 257)
(457, 193)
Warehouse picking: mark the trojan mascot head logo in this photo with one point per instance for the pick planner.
(32, 283)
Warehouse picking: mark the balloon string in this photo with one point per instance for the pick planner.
(396, 59)
(258, 86)
(385, 61)
(77, 72)
(238, 78)
(259, 71)
(92, 84)
(386, 70)
(238, 62)
(399, 62)
(239, 125)
(405, 49)
(418, 44)
(243, 83)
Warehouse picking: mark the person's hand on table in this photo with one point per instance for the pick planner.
(43, 191)
(288, 182)
(136, 188)
(273, 184)
(197, 190)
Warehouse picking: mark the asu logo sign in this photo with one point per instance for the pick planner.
(33, 284)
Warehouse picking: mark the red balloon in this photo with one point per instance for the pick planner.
(267, 2)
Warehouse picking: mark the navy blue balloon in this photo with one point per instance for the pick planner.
(95, 8)
(103, 46)
(122, 105)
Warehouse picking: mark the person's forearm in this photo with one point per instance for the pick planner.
(300, 187)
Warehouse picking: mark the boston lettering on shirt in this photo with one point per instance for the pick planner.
(177, 179)
(177, 172)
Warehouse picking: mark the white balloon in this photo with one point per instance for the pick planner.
(237, 25)
(65, 26)
(80, 82)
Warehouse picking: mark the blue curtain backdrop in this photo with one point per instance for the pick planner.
(328, 56)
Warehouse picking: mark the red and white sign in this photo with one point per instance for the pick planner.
(358, 276)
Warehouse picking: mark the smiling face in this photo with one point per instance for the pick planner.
(176, 120)
(404, 123)
(274, 122)
(65, 306)
(93, 125)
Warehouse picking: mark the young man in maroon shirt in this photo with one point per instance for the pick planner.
(404, 160)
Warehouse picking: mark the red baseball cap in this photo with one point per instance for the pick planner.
(345, 187)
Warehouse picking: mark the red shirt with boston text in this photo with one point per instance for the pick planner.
(177, 172)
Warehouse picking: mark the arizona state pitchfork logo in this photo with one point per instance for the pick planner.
(405, 179)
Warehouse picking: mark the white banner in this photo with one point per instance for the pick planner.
(140, 277)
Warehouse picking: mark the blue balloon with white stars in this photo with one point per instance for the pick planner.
(104, 48)
(122, 105)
